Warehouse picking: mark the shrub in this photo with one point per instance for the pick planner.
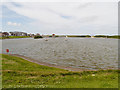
(36, 37)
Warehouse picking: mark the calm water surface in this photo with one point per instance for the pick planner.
(84, 53)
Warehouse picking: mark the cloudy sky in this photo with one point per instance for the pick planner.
(60, 17)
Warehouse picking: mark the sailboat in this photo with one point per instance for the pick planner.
(66, 38)
(92, 36)
(46, 39)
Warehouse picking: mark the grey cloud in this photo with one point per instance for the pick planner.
(88, 19)
(84, 5)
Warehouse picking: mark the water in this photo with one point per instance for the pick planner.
(83, 53)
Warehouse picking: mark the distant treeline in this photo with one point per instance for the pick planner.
(106, 36)
(79, 36)
(37, 37)
(96, 36)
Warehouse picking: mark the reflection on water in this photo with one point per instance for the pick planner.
(84, 53)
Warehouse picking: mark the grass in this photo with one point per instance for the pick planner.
(79, 36)
(104, 36)
(12, 37)
(20, 73)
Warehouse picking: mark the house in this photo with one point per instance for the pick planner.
(18, 33)
(31, 35)
(5, 34)
(14, 33)
(24, 34)
(37, 34)
(0, 34)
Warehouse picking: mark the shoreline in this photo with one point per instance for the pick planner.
(18, 72)
(13, 38)
(52, 65)
(47, 64)
(62, 37)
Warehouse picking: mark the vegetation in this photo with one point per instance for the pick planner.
(79, 36)
(105, 36)
(20, 73)
(36, 37)
(97, 36)
(10, 37)
(101, 36)
(54, 36)
(115, 36)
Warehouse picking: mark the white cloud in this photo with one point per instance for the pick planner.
(60, 0)
(13, 24)
(70, 17)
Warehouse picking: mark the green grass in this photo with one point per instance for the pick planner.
(104, 36)
(10, 37)
(20, 73)
(79, 36)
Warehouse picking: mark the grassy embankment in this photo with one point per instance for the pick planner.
(104, 36)
(12, 37)
(20, 73)
(97, 36)
(79, 36)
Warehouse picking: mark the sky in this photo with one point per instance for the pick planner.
(60, 17)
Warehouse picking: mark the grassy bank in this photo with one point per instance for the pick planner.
(96, 36)
(104, 36)
(19, 73)
(12, 37)
(79, 36)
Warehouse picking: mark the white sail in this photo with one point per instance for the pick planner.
(66, 38)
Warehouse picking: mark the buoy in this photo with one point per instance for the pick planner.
(7, 50)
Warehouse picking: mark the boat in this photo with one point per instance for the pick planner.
(66, 38)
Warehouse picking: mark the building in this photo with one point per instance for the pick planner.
(4, 34)
(31, 35)
(0, 34)
(24, 34)
(37, 34)
(18, 34)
